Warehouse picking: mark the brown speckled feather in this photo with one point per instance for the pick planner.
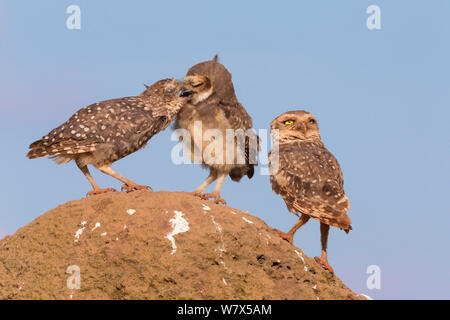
(106, 131)
(310, 181)
(220, 110)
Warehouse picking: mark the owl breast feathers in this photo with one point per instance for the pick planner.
(310, 181)
(213, 102)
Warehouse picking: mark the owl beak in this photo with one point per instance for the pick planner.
(303, 128)
(185, 93)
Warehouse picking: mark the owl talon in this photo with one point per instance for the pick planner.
(285, 236)
(220, 200)
(99, 191)
(197, 194)
(215, 196)
(324, 264)
(134, 187)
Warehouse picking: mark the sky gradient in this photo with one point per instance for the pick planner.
(381, 99)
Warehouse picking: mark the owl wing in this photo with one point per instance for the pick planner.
(310, 181)
(236, 115)
(238, 118)
(100, 123)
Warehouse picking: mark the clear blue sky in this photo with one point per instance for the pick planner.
(381, 98)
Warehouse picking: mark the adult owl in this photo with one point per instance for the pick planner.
(107, 131)
(308, 177)
(213, 104)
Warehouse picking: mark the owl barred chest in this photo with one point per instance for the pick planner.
(198, 121)
(309, 169)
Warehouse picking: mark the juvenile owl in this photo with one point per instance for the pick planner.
(308, 177)
(107, 131)
(213, 104)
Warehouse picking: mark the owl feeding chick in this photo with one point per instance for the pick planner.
(107, 131)
(213, 104)
(308, 177)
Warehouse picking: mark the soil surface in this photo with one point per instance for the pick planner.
(157, 245)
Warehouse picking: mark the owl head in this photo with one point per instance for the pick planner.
(296, 125)
(206, 80)
(166, 89)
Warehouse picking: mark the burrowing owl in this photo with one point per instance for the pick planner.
(213, 104)
(107, 131)
(308, 177)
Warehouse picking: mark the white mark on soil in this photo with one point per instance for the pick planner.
(179, 225)
(131, 211)
(233, 212)
(205, 207)
(79, 232)
(83, 223)
(267, 239)
(303, 259)
(224, 281)
(315, 287)
(221, 249)
(218, 226)
(104, 234)
(97, 225)
(246, 220)
(117, 238)
(71, 296)
(124, 227)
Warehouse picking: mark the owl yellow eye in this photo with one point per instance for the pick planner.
(289, 122)
(312, 121)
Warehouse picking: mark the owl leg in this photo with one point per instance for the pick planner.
(216, 193)
(128, 184)
(324, 228)
(289, 236)
(212, 176)
(96, 188)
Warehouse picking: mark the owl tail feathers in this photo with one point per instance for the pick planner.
(36, 153)
(341, 221)
(338, 224)
(38, 150)
(61, 152)
(250, 172)
(348, 229)
(237, 173)
(343, 225)
(36, 144)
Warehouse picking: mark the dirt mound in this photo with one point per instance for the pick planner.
(157, 245)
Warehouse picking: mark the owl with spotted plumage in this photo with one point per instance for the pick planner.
(107, 131)
(213, 104)
(308, 177)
